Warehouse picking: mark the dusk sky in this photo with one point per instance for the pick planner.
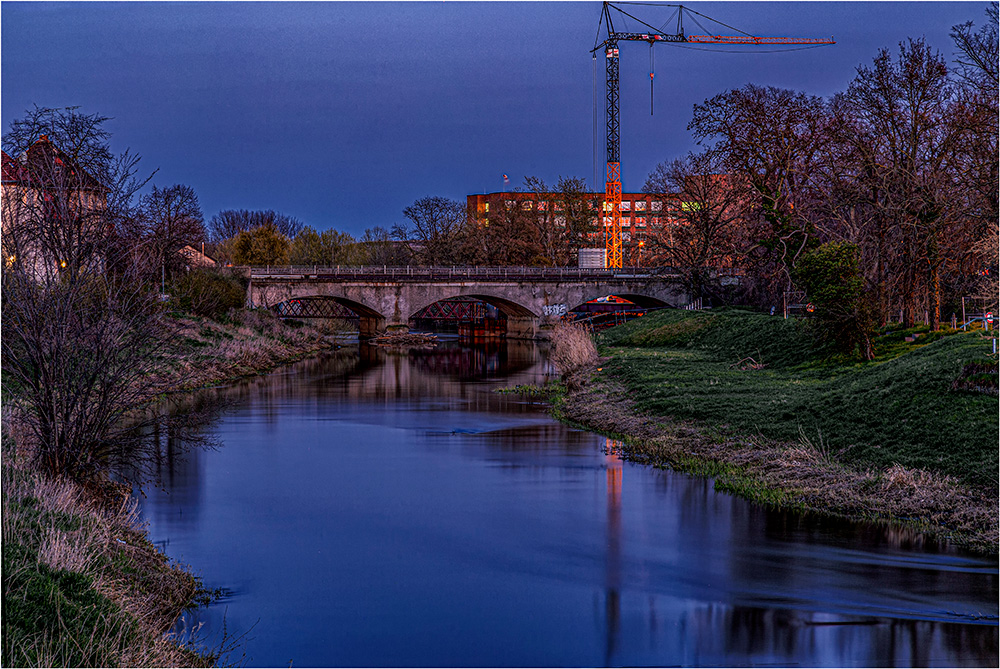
(342, 114)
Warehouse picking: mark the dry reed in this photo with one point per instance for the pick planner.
(573, 348)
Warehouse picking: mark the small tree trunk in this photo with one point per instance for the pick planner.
(934, 297)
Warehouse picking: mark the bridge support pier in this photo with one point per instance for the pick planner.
(522, 328)
(370, 326)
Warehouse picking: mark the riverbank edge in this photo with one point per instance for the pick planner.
(106, 517)
(800, 477)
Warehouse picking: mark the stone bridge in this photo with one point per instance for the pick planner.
(532, 298)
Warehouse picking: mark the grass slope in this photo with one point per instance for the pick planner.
(900, 408)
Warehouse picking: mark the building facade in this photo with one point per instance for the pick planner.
(642, 213)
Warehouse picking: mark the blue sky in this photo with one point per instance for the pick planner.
(341, 114)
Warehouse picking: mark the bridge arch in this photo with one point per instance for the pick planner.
(370, 320)
(645, 301)
(522, 322)
(509, 307)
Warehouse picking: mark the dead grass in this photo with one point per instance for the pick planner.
(250, 342)
(572, 348)
(53, 526)
(801, 475)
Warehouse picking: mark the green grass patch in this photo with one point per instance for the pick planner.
(900, 408)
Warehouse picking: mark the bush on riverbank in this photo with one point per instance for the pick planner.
(898, 409)
(208, 292)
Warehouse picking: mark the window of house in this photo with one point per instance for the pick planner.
(510, 204)
(561, 221)
(656, 205)
(640, 222)
(640, 206)
(486, 207)
(526, 205)
(626, 206)
(543, 205)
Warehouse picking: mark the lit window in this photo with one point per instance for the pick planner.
(626, 206)
(486, 207)
(542, 205)
(526, 205)
(607, 206)
(561, 221)
(625, 223)
(559, 206)
(640, 222)
(510, 204)
(657, 205)
(640, 205)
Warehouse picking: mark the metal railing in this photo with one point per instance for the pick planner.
(408, 273)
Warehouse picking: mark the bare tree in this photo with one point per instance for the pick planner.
(579, 213)
(69, 202)
(978, 53)
(703, 230)
(433, 230)
(562, 219)
(901, 127)
(83, 334)
(378, 247)
(80, 355)
(772, 139)
(172, 218)
(228, 223)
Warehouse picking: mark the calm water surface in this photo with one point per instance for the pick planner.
(373, 509)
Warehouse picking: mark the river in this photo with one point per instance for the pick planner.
(371, 508)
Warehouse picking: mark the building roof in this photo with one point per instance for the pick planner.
(41, 162)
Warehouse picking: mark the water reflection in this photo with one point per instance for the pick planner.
(374, 509)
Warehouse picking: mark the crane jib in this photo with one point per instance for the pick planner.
(712, 39)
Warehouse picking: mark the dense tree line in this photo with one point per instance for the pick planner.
(899, 172)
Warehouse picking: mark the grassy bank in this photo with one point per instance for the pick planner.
(754, 400)
(82, 584)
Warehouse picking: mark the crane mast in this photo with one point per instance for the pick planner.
(611, 215)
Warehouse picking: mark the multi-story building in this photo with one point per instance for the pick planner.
(642, 213)
(52, 211)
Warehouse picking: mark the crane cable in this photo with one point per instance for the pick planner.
(593, 122)
(651, 74)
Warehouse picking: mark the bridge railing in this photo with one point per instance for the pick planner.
(443, 273)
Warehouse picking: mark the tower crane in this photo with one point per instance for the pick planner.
(613, 182)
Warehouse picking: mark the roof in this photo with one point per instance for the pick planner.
(39, 164)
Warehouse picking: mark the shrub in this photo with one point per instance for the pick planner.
(208, 292)
(830, 276)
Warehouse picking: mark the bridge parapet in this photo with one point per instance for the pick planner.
(420, 273)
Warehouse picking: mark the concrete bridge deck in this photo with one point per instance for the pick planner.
(533, 298)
